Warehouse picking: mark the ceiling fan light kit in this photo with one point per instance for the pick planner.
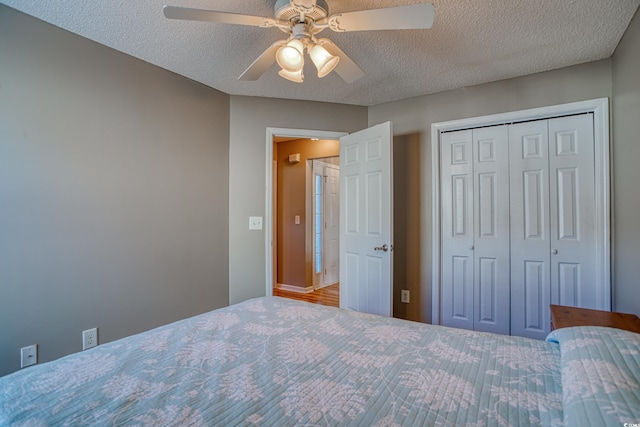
(294, 76)
(323, 60)
(290, 56)
(302, 20)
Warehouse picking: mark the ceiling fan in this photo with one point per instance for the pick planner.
(302, 20)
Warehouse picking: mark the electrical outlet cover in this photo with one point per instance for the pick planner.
(28, 356)
(405, 296)
(89, 338)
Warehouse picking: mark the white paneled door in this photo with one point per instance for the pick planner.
(491, 229)
(554, 212)
(475, 229)
(530, 240)
(573, 216)
(517, 224)
(366, 220)
(457, 229)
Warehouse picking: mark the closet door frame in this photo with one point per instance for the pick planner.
(600, 109)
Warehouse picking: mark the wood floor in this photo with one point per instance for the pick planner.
(329, 295)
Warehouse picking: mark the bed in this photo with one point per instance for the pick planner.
(273, 361)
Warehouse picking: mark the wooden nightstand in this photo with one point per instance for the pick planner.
(563, 317)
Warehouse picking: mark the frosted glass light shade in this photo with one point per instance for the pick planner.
(323, 60)
(290, 57)
(294, 76)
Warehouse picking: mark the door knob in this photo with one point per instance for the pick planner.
(383, 248)
(554, 251)
(471, 247)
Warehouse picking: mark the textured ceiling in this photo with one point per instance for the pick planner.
(471, 42)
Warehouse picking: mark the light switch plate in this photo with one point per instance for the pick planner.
(255, 223)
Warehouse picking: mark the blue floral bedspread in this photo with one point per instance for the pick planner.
(600, 375)
(272, 361)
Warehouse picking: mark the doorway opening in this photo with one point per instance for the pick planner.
(324, 216)
(302, 228)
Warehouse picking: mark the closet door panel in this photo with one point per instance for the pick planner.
(530, 240)
(491, 229)
(519, 224)
(487, 294)
(536, 281)
(572, 207)
(457, 229)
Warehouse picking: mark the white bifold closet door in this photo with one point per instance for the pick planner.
(518, 221)
(475, 218)
(553, 240)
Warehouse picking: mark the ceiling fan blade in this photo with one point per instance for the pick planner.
(262, 63)
(174, 12)
(346, 68)
(415, 16)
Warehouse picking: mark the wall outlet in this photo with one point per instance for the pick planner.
(28, 355)
(405, 297)
(89, 338)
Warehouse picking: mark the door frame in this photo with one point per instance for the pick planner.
(600, 109)
(318, 278)
(273, 132)
(310, 216)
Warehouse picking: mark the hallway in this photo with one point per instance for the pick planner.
(329, 295)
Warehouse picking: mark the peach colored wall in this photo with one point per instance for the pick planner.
(294, 254)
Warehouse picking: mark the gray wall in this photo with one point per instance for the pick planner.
(412, 119)
(626, 172)
(250, 117)
(113, 192)
(125, 190)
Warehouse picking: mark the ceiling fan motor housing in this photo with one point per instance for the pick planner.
(288, 10)
(301, 32)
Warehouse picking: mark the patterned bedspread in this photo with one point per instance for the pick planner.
(272, 361)
(600, 376)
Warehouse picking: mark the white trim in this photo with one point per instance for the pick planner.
(435, 224)
(600, 109)
(268, 220)
(318, 277)
(293, 288)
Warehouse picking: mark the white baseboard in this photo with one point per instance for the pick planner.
(293, 288)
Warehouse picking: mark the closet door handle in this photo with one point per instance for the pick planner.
(383, 248)
(554, 251)
(471, 247)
